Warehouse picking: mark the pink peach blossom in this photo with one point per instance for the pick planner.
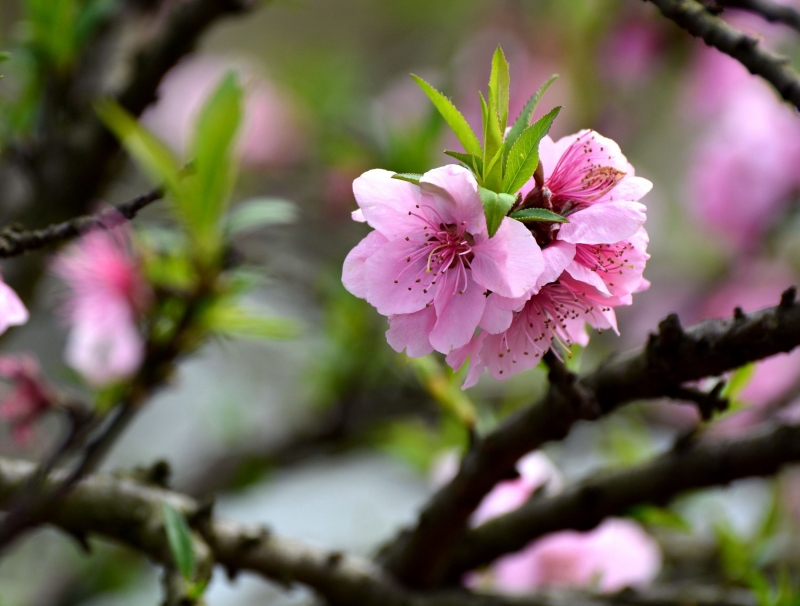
(615, 555)
(30, 396)
(557, 313)
(430, 256)
(12, 310)
(271, 134)
(108, 293)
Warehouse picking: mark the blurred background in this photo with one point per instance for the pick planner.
(332, 437)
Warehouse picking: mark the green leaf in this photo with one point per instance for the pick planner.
(739, 380)
(230, 319)
(495, 207)
(651, 515)
(215, 162)
(410, 177)
(524, 156)
(180, 540)
(494, 171)
(472, 162)
(498, 86)
(155, 159)
(260, 212)
(4, 56)
(452, 116)
(524, 118)
(529, 215)
(492, 139)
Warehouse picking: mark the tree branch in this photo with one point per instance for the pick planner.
(770, 11)
(129, 512)
(584, 505)
(695, 19)
(14, 242)
(420, 556)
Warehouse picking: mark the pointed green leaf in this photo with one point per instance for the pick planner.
(180, 540)
(529, 215)
(473, 162)
(492, 136)
(495, 207)
(452, 116)
(524, 118)
(260, 212)
(494, 171)
(214, 153)
(410, 177)
(155, 159)
(523, 158)
(498, 86)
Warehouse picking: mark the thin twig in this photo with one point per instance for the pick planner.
(695, 19)
(14, 242)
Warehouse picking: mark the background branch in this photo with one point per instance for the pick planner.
(129, 512)
(695, 19)
(420, 556)
(584, 505)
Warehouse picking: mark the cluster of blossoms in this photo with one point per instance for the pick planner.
(503, 301)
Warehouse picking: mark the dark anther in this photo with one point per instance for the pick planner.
(788, 297)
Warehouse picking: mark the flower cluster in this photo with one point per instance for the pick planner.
(502, 300)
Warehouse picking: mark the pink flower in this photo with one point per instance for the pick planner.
(270, 136)
(743, 170)
(588, 180)
(108, 295)
(557, 313)
(29, 398)
(592, 264)
(615, 555)
(630, 54)
(12, 309)
(430, 262)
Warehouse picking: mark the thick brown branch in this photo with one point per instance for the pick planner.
(129, 512)
(585, 505)
(14, 242)
(420, 556)
(695, 19)
(772, 12)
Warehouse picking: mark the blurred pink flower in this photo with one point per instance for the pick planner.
(615, 555)
(430, 260)
(630, 52)
(743, 170)
(29, 398)
(270, 136)
(12, 310)
(108, 293)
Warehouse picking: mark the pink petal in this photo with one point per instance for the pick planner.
(458, 313)
(402, 262)
(471, 350)
(12, 310)
(453, 191)
(410, 332)
(586, 275)
(631, 189)
(603, 223)
(353, 276)
(510, 262)
(496, 316)
(385, 203)
(557, 255)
